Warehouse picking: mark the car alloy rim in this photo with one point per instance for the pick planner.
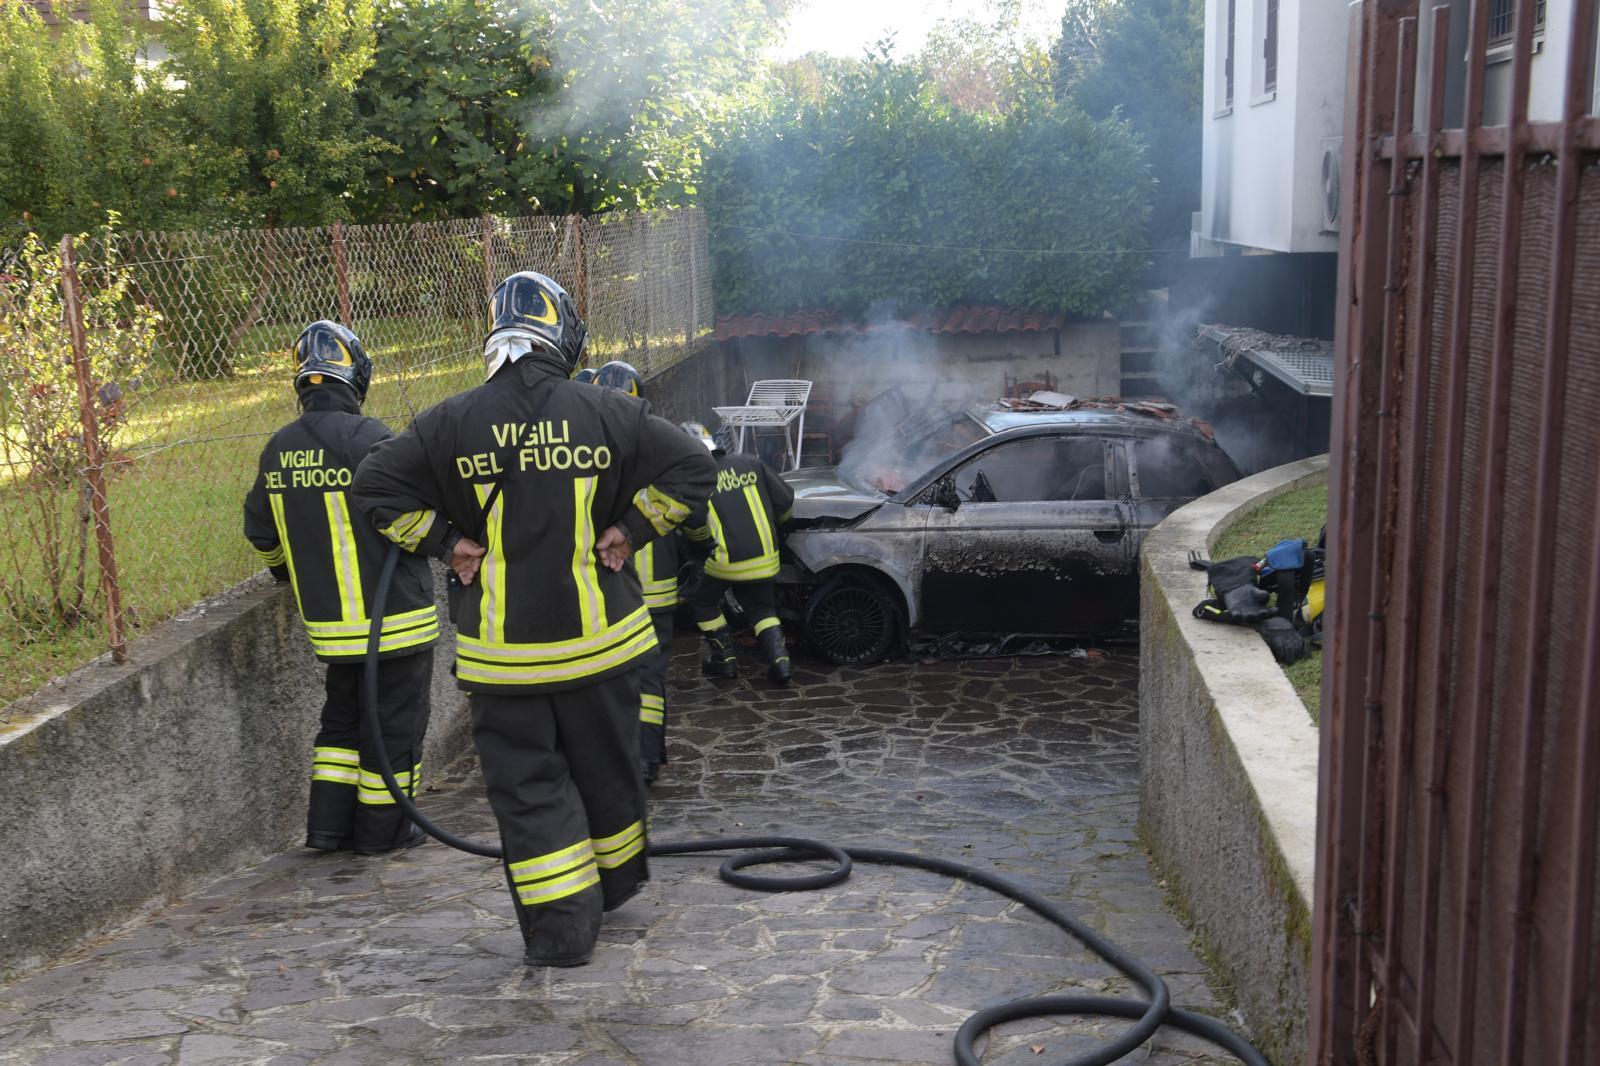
(851, 622)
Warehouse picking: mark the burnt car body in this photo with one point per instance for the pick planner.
(997, 520)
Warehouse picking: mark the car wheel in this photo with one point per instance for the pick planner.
(851, 620)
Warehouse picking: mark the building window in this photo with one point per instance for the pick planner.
(1503, 21)
(1227, 61)
(1269, 50)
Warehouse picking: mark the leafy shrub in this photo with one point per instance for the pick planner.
(41, 429)
(869, 191)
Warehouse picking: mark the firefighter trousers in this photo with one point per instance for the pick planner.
(758, 600)
(562, 773)
(653, 694)
(350, 807)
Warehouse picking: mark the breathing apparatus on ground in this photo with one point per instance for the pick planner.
(1148, 1015)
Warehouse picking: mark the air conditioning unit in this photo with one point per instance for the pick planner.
(1332, 172)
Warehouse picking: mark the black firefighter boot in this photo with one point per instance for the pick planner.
(776, 653)
(720, 660)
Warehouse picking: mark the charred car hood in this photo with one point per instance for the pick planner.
(820, 493)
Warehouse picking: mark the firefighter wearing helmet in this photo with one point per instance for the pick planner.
(619, 375)
(300, 519)
(657, 566)
(538, 490)
(738, 527)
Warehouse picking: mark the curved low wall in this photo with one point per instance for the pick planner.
(1228, 760)
(122, 787)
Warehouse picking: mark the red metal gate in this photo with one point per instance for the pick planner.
(1456, 914)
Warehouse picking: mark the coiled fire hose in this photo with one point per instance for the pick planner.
(1148, 1015)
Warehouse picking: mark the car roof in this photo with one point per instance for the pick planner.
(998, 419)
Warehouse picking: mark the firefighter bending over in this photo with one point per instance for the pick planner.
(300, 519)
(539, 489)
(657, 564)
(739, 526)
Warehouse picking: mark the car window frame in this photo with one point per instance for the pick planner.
(1135, 490)
(1109, 471)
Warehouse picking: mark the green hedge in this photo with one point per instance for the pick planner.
(874, 196)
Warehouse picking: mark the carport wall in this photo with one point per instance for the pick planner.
(1083, 359)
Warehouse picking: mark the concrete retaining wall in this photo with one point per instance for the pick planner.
(122, 787)
(688, 389)
(1228, 761)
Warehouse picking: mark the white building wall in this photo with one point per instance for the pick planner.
(1261, 158)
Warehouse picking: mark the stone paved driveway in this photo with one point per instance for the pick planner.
(1027, 766)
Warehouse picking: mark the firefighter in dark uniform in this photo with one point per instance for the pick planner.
(538, 490)
(739, 528)
(300, 519)
(657, 565)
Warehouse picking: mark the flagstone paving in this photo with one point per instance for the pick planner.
(1025, 766)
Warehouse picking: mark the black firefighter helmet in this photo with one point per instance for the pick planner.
(530, 308)
(619, 375)
(585, 376)
(328, 350)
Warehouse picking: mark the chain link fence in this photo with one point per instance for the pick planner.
(126, 446)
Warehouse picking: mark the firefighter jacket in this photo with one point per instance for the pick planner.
(739, 524)
(535, 468)
(657, 563)
(299, 517)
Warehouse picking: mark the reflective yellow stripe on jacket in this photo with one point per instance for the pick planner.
(664, 512)
(349, 638)
(346, 561)
(408, 529)
(659, 592)
(499, 663)
(275, 501)
(725, 568)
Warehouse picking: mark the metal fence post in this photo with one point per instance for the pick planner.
(72, 294)
(581, 273)
(341, 274)
(488, 256)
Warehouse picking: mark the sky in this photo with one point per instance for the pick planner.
(849, 27)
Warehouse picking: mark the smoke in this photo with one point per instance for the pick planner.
(906, 393)
(1255, 434)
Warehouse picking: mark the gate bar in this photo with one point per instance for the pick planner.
(1445, 564)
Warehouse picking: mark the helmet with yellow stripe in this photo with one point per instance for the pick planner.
(529, 310)
(620, 375)
(329, 351)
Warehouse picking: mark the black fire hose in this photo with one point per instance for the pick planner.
(1148, 1016)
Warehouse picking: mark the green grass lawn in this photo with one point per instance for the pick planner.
(1300, 513)
(190, 451)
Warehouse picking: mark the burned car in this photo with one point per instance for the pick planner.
(1017, 517)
